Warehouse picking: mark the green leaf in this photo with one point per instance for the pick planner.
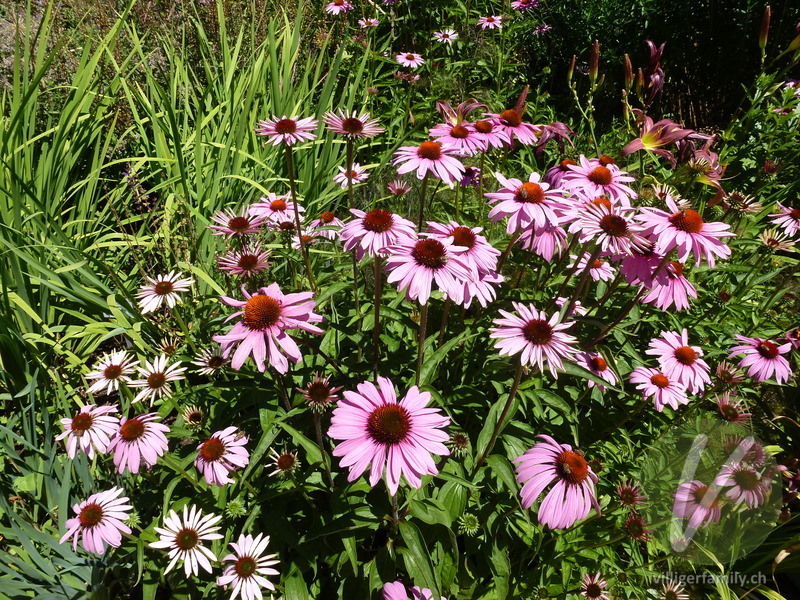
(417, 559)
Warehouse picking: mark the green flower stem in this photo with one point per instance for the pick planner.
(376, 327)
(443, 327)
(321, 444)
(303, 249)
(499, 427)
(422, 201)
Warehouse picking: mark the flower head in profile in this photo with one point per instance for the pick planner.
(249, 567)
(399, 187)
(680, 361)
(410, 59)
(327, 225)
(763, 358)
(110, 370)
(156, 379)
(266, 315)
(671, 288)
(545, 241)
(429, 158)
(355, 175)
(534, 336)
(184, 537)
(572, 494)
(367, 23)
(491, 22)
(673, 590)
(594, 587)
(162, 289)
(697, 502)
(654, 137)
(599, 270)
(91, 429)
(396, 590)
(277, 209)
(287, 130)
(510, 121)
(338, 7)
(372, 232)
(100, 520)
(395, 437)
(595, 363)
(446, 36)
(140, 439)
(229, 224)
(352, 124)
(220, 454)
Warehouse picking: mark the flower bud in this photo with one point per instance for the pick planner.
(628, 73)
(594, 62)
(571, 69)
(763, 33)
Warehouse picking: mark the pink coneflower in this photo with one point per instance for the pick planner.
(100, 520)
(319, 393)
(491, 22)
(729, 374)
(139, 439)
(366, 23)
(110, 370)
(210, 361)
(91, 429)
(637, 528)
(446, 36)
(229, 224)
(746, 485)
(284, 462)
(399, 187)
(612, 227)
(277, 209)
(531, 202)
(338, 7)
(245, 262)
(591, 179)
(788, 218)
(673, 590)
(397, 591)
(664, 390)
(410, 59)
(572, 496)
(630, 494)
(460, 137)
(640, 264)
(697, 502)
(157, 377)
(599, 270)
(685, 230)
(546, 242)
(671, 288)
(286, 130)
(353, 124)
(593, 586)
(250, 567)
(369, 233)
(733, 409)
(398, 437)
(533, 335)
(776, 240)
(481, 289)
(265, 317)
(480, 255)
(555, 175)
(429, 158)
(162, 289)
(523, 5)
(680, 361)
(355, 175)
(577, 309)
(471, 178)
(595, 363)
(220, 454)
(416, 264)
(184, 536)
(327, 226)
(309, 237)
(763, 358)
(510, 121)
(490, 134)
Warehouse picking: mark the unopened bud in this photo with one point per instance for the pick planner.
(763, 33)
(571, 69)
(628, 72)
(594, 62)
(639, 83)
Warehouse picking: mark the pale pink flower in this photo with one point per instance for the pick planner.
(327, 226)
(490, 134)
(697, 502)
(229, 224)
(664, 390)
(352, 124)
(788, 218)
(599, 270)
(286, 130)
(357, 174)
(397, 591)
(245, 262)
(220, 454)
(480, 255)
(369, 233)
(410, 59)
(671, 287)
(522, 6)
(745, 484)
(679, 361)
(399, 187)
(446, 36)
(429, 158)
(531, 202)
(110, 370)
(366, 23)
(534, 336)
(491, 22)
(510, 121)
(592, 361)
(100, 521)
(395, 437)
(162, 289)
(593, 178)
(593, 587)
(338, 7)
(544, 241)
(249, 567)
(265, 317)
(210, 361)
(461, 137)
(572, 495)
(184, 536)
(733, 409)
(763, 358)
(277, 209)
(139, 439)
(611, 227)
(415, 264)
(91, 429)
(685, 230)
